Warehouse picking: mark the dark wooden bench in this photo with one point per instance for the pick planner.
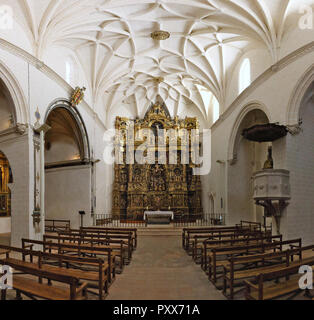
(214, 263)
(257, 290)
(94, 270)
(118, 247)
(112, 239)
(115, 233)
(105, 229)
(246, 240)
(221, 235)
(77, 251)
(217, 233)
(263, 263)
(52, 225)
(36, 288)
(250, 224)
(89, 269)
(188, 232)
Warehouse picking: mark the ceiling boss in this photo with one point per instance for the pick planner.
(160, 35)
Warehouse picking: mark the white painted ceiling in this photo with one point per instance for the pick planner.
(111, 41)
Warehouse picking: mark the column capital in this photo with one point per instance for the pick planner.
(41, 128)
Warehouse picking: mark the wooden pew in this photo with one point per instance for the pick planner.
(222, 252)
(199, 241)
(133, 230)
(66, 265)
(113, 234)
(111, 239)
(246, 240)
(254, 226)
(35, 288)
(76, 250)
(256, 290)
(217, 233)
(262, 265)
(118, 246)
(188, 232)
(221, 235)
(57, 225)
(76, 266)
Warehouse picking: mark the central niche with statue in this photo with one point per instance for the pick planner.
(156, 185)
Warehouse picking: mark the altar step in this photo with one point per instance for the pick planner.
(159, 231)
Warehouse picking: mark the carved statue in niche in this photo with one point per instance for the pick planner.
(157, 179)
(178, 175)
(269, 164)
(146, 202)
(123, 176)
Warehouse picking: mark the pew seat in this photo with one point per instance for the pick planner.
(260, 291)
(33, 288)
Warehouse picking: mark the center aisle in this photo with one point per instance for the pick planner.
(161, 270)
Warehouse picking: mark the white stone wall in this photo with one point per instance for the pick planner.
(300, 155)
(17, 150)
(68, 191)
(5, 225)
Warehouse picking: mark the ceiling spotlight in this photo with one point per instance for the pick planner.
(160, 35)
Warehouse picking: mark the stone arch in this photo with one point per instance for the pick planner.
(18, 98)
(234, 139)
(297, 96)
(85, 153)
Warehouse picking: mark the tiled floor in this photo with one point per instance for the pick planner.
(161, 270)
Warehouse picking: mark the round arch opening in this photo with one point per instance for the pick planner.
(248, 158)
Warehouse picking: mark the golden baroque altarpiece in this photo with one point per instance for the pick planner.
(156, 187)
(5, 193)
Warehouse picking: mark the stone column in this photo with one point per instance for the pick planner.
(39, 212)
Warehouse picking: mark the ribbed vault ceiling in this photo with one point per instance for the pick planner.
(111, 39)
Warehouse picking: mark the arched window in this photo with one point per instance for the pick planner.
(216, 109)
(70, 71)
(244, 75)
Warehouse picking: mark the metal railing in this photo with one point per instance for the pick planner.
(107, 220)
(191, 220)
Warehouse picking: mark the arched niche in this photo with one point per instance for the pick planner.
(248, 157)
(242, 122)
(68, 178)
(66, 143)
